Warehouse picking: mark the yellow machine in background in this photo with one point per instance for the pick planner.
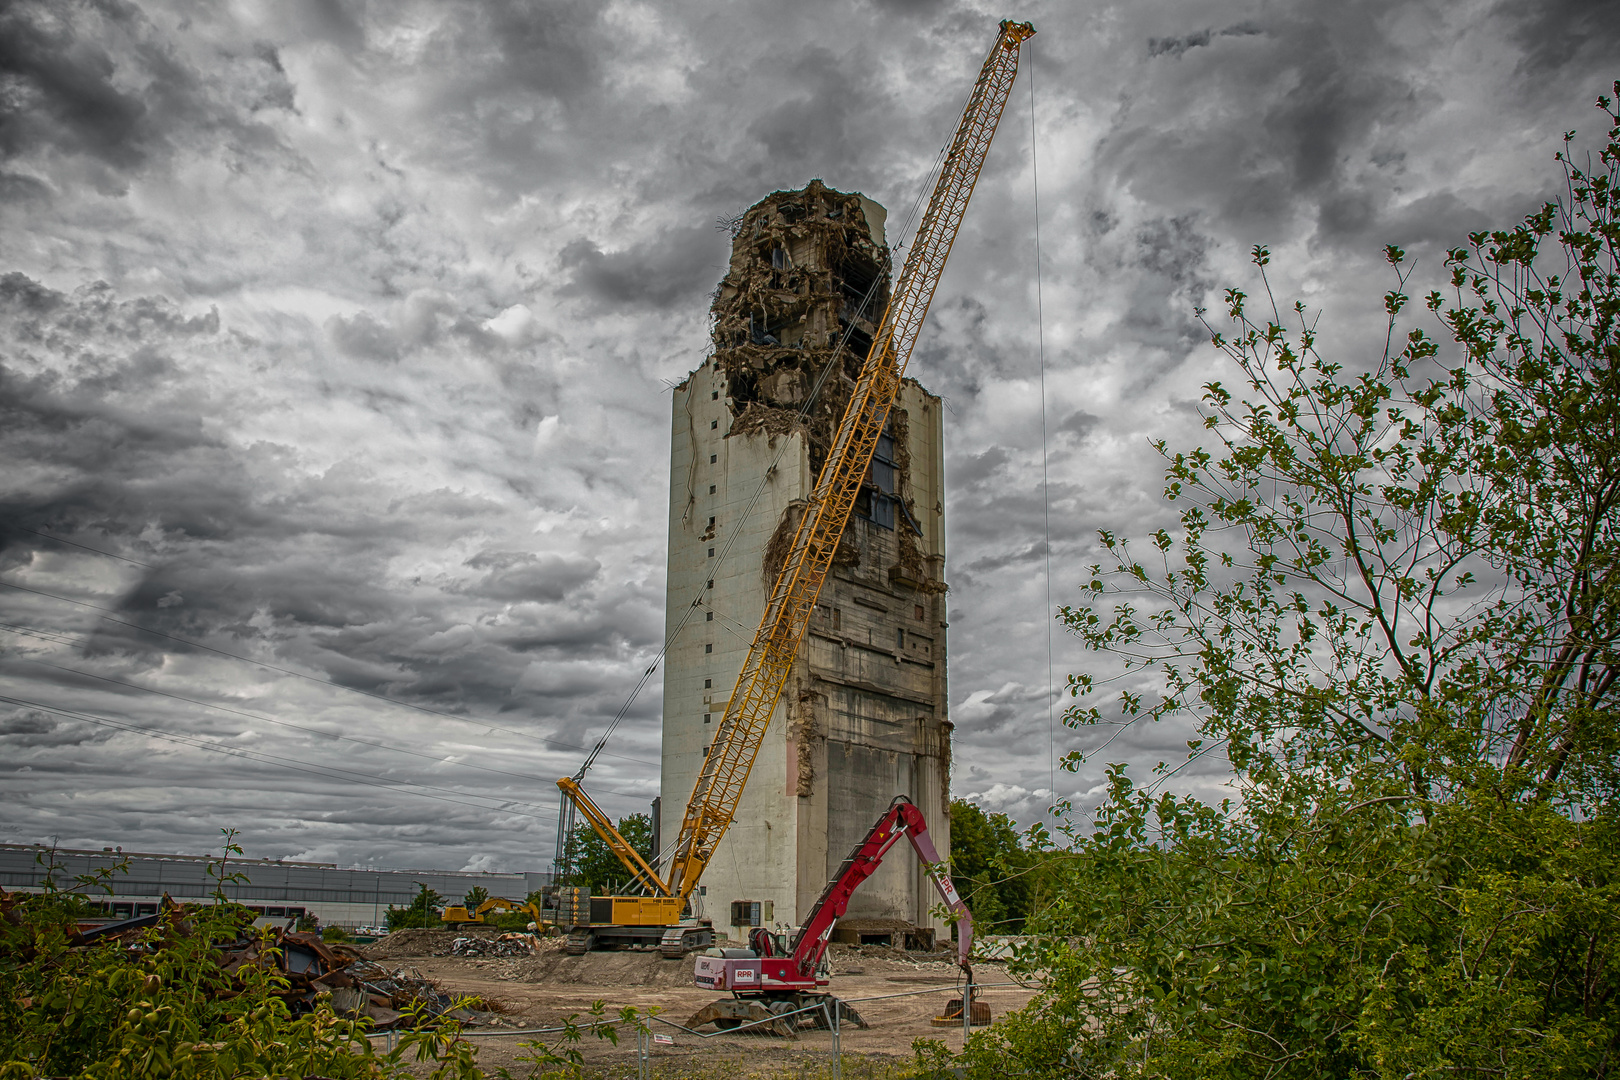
(662, 916)
(457, 913)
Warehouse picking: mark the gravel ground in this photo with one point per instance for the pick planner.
(542, 990)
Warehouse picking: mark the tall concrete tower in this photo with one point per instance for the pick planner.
(863, 717)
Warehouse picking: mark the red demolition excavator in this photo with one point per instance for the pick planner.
(778, 987)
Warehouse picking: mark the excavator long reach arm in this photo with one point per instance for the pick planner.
(770, 657)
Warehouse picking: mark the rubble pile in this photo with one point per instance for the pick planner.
(504, 945)
(389, 996)
(414, 942)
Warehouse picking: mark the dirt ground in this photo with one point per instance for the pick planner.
(542, 990)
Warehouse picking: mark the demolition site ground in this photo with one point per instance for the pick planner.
(544, 989)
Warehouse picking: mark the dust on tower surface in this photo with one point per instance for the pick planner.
(863, 717)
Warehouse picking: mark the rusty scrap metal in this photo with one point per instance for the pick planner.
(309, 967)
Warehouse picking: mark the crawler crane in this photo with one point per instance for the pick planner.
(657, 916)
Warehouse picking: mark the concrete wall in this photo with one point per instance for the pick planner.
(863, 717)
(757, 860)
(873, 695)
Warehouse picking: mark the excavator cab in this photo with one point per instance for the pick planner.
(765, 943)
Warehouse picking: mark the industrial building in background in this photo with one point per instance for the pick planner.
(863, 715)
(275, 888)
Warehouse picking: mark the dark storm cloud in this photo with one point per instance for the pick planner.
(99, 80)
(675, 266)
(958, 351)
(1173, 248)
(1555, 34)
(912, 8)
(62, 90)
(27, 728)
(553, 46)
(832, 101)
(331, 20)
(457, 249)
(1077, 425)
(300, 558)
(519, 576)
(979, 467)
(363, 337)
(1175, 46)
(1034, 553)
(1271, 116)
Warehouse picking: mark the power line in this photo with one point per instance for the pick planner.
(85, 547)
(324, 772)
(107, 616)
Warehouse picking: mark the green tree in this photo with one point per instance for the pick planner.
(991, 868)
(594, 863)
(421, 912)
(1391, 604)
(475, 896)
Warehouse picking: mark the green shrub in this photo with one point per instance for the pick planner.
(163, 1006)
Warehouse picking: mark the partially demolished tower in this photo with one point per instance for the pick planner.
(863, 717)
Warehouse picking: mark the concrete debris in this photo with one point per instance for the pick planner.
(389, 997)
(504, 945)
(415, 942)
(806, 267)
(758, 417)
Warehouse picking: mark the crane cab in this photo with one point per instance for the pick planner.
(745, 970)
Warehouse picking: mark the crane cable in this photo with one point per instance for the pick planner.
(565, 817)
(802, 415)
(1046, 498)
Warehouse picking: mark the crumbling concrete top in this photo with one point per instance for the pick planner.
(809, 268)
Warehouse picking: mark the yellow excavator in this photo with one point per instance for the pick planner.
(458, 913)
(662, 914)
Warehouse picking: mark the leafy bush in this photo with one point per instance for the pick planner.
(590, 862)
(163, 1006)
(1393, 603)
(421, 913)
(992, 869)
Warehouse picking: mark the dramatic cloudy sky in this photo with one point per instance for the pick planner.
(336, 342)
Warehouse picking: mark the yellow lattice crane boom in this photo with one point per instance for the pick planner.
(742, 727)
(787, 613)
